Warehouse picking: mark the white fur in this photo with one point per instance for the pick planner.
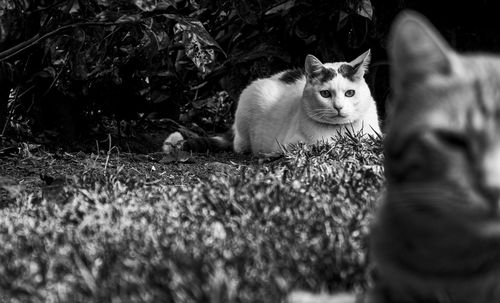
(271, 112)
(172, 142)
(306, 297)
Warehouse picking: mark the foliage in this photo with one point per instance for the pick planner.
(65, 64)
(119, 233)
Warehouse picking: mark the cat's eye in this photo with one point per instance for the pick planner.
(325, 93)
(452, 139)
(349, 93)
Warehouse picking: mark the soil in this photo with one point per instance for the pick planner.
(33, 167)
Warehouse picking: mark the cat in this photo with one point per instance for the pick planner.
(436, 236)
(292, 106)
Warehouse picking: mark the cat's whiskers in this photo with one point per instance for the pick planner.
(321, 114)
(442, 205)
(433, 195)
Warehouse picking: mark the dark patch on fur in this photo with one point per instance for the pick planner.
(324, 74)
(348, 71)
(292, 75)
(204, 144)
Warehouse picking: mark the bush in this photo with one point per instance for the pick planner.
(67, 64)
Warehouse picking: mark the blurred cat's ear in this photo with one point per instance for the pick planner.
(361, 63)
(313, 65)
(417, 50)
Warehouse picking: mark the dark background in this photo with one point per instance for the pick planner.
(76, 71)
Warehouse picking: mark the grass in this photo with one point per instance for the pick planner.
(237, 230)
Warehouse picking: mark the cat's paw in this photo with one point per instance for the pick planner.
(173, 143)
(307, 297)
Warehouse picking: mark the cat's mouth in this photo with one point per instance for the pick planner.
(332, 119)
(328, 116)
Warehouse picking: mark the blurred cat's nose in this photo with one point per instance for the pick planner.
(490, 174)
(493, 197)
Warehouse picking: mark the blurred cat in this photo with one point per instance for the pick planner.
(317, 103)
(436, 237)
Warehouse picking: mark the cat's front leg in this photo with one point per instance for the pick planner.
(307, 297)
(241, 143)
(371, 296)
(291, 139)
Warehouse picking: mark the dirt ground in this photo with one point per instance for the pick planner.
(33, 168)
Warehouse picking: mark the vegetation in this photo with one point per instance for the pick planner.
(75, 69)
(80, 70)
(240, 231)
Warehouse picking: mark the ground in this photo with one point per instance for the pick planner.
(79, 227)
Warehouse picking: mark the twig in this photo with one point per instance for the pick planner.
(20, 47)
(41, 9)
(57, 76)
(10, 113)
(109, 152)
(37, 38)
(110, 149)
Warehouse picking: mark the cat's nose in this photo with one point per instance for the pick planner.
(338, 108)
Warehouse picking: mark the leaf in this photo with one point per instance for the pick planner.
(149, 43)
(261, 50)
(163, 4)
(200, 56)
(129, 18)
(146, 5)
(198, 43)
(151, 5)
(197, 28)
(366, 9)
(12, 20)
(160, 35)
(7, 5)
(75, 8)
(210, 103)
(342, 20)
(194, 4)
(7, 71)
(47, 72)
(282, 8)
(249, 10)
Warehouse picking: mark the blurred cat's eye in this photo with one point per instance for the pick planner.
(349, 93)
(452, 139)
(325, 93)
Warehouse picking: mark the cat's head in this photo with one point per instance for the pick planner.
(443, 134)
(336, 93)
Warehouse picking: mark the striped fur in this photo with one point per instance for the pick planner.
(437, 236)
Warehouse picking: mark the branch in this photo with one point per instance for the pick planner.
(37, 38)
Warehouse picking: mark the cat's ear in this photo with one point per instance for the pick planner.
(312, 65)
(361, 64)
(417, 50)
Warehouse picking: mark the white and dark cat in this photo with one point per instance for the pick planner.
(317, 103)
(436, 237)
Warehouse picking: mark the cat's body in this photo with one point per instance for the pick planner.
(293, 106)
(288, 108)
(436, 237)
